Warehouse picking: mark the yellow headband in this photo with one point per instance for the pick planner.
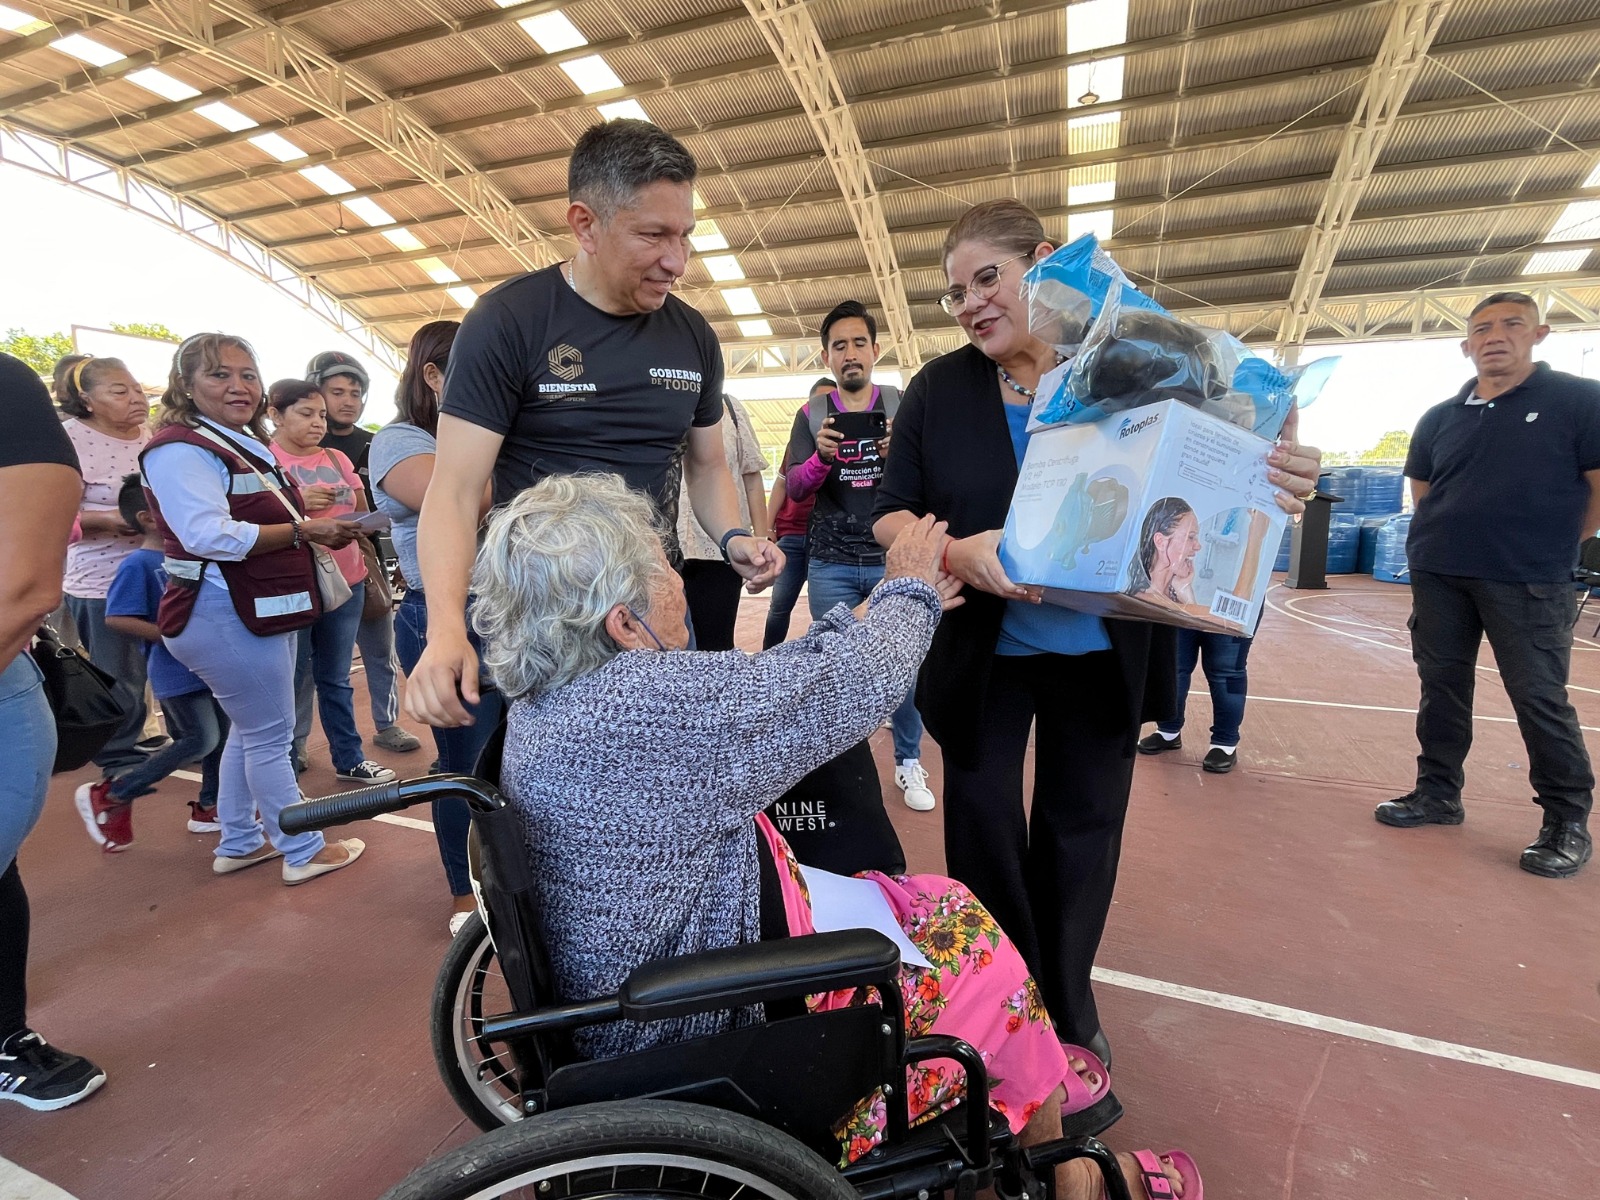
(77, 373)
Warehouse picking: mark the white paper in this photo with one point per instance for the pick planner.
(372, 522)
(844, 902)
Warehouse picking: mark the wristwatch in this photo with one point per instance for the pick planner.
(728, 537)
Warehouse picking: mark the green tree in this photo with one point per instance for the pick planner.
(152, 329)
(39, 350)
(1391, 448)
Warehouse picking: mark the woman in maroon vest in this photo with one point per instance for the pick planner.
(241, 581)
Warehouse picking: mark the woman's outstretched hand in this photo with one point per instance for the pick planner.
(918, 552)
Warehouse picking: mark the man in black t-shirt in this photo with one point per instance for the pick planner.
(344, 385)
(589, 365)
(843, 470)
(344, 382)
(1506, 482)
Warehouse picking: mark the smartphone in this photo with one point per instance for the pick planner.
(862, 426)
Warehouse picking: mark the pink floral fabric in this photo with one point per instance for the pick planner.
(978, 990)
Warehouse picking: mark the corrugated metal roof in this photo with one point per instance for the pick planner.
(1238, 117)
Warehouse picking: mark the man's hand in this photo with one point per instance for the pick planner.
(828, 439)
(446, 674)
(976, 561)
(757, 561)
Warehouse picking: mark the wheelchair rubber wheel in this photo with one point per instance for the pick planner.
(630, 1148)
(480, 1077)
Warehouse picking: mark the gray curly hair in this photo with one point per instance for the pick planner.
(553, 563)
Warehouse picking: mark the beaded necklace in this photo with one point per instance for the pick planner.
(1030, 393)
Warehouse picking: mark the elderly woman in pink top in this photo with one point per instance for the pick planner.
(108, 428)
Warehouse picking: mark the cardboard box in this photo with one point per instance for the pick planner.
(1162, 513)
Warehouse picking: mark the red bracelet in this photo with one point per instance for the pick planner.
(944, 559)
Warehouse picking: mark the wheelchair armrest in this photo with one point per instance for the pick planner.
(758, 973)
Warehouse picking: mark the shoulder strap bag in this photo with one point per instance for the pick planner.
(331, 585)
(81, 696)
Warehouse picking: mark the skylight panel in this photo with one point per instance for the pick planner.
(724, 267)
(1553, 262)
(757, 328)
(553, 32)
(280, 147)
(624, 108)
(591, 74)
(464, 296)
(706, 236)
(328, 180)
(84, 49)
(741, 302)
(437, 271)
(403, 239)
(162, 84)
(17, 21)
(369, 211)
(229, 118)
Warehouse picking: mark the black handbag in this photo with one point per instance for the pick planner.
(834, 817)
(82, 698)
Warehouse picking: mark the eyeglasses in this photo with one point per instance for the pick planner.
(984, 284)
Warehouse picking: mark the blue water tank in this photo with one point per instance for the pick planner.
(1282, 563)
(1390, 564)
(1344, 543)
(1367, 491)
(1367, 552)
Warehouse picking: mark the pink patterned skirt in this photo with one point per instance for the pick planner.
(978, 990)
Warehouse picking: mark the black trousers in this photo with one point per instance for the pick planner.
(1047, 879)
(712, 591)
(13, 952)
(1529, 626)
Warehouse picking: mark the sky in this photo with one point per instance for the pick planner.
(81, 260)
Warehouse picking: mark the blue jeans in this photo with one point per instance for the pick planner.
(31, 733)
(323, 656)
(375, 640)
(458, 748)
(121, 657)
(785, 589)
(1223, 657)
(253, 680)
(199, 730)
(834, 583)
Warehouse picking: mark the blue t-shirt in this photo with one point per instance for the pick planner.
(136, 592)
(394, 444)
(1044, 628)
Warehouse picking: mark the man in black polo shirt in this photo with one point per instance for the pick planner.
(589, 365)
(1506, 482)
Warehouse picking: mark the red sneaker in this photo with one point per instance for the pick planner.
(117, 824)
(202, 819)
(93, 799)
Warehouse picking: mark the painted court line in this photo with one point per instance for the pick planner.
(1289, 610)
(1244, 1006)
(1352, 1029)
(1384, 708)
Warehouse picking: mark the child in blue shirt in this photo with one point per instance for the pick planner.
(195, 720)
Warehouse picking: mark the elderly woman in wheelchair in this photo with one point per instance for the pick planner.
(696, 1013)
(639, 773)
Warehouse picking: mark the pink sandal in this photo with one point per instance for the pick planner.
(1156, 1184)
(1086, 1113)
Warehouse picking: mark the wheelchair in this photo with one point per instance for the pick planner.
(749, 1112)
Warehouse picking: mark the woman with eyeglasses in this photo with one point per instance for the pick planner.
(401, 466)
(1003, 665)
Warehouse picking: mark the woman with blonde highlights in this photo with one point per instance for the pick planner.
(241, 582)
(108, 412)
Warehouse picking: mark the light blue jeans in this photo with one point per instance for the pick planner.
(253, 679)
(30, 731)
(849, 584)
(375, 640)
(322, 658)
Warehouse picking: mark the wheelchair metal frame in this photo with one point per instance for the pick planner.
(963, 1150)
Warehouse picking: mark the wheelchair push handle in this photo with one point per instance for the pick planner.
(363, 804)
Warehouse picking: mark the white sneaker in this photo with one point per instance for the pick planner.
(911, 779)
